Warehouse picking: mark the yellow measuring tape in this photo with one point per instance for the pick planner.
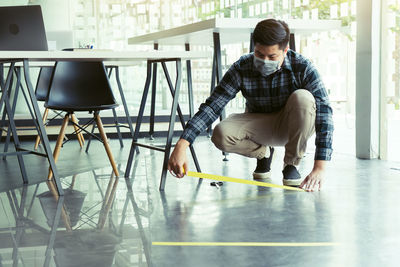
(247, 244)
(241, 181)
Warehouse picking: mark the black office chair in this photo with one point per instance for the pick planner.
(42, 89)
(81, 86)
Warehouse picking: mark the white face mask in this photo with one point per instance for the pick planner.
(265, 67)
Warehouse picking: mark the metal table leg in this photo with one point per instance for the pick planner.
(42, 131)
(153, 97)
(139, 119)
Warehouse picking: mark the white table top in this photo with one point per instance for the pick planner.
(232, 30)
(93, 55)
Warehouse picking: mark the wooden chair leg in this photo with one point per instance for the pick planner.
(64, 215)
(107, 202)
(59, 143)
(105, 142)
(45, 114)
(78, 134)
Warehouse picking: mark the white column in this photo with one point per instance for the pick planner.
(368, 78)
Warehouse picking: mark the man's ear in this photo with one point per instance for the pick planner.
(286, 49)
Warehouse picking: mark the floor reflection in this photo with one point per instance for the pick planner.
(98, 222)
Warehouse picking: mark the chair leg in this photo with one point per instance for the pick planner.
(59, 143)
(45, 114)
(105, 142)
(64, 215)
(78, 133)
(108, 200)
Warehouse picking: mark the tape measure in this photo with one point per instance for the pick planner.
(240, 181)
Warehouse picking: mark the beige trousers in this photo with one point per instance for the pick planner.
(249, 134)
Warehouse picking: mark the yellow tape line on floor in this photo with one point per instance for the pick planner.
(241, 181)
(247, 244)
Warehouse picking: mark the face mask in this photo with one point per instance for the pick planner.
(265, 67)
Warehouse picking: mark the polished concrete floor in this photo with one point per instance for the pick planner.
(101, 221)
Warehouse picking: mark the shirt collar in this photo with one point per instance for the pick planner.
(287, 63)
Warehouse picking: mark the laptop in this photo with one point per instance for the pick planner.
(22, 29)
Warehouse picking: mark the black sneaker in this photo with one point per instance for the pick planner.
(263, 168)
(291, 176)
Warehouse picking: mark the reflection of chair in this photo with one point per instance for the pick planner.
(83, 246)
(73, 202)
(81, 86)
(41, 92)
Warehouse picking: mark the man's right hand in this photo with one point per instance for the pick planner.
(178, 160)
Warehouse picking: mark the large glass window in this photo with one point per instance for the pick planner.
(390, 104)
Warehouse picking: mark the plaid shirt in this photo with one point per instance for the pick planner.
(268, 94)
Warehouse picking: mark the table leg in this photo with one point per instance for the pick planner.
(180, 114)
(218, 67)
(189, 82)
(139, 120)
(121, 93)
(8, 109)
(153, 97)
(171, 124)
(42, 131)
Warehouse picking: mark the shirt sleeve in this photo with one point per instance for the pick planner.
(212, 108)
(323, 121)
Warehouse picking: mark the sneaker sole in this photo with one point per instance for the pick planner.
(292, 182)
(261, 175)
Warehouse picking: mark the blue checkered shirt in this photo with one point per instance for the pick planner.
(268, 94)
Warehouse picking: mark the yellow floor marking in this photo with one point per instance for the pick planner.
(247, 244)
(241, 181)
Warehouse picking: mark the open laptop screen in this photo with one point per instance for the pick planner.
(22, 28)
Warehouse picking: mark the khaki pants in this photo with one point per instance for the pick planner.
(249, 134)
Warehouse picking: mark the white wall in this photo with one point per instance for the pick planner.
(56, 14)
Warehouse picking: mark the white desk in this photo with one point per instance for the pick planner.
(232, 30)
(116, 56)
(26, 57)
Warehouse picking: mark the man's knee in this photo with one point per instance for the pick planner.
(302, 99)
(220, 137)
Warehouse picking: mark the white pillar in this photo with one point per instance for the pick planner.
(368, 78)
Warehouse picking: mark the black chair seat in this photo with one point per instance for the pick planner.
(80, 86)
(81, 108)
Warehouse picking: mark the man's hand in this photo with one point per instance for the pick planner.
(315, 179)
(178, 160)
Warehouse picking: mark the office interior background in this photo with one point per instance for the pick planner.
(107, 24)
(360, 66)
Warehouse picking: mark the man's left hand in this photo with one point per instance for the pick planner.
(313, 182)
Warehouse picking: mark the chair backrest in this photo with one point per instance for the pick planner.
(80, 86)
(43, 83)
(22, 29)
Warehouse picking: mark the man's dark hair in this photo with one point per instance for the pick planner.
(271, 32)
